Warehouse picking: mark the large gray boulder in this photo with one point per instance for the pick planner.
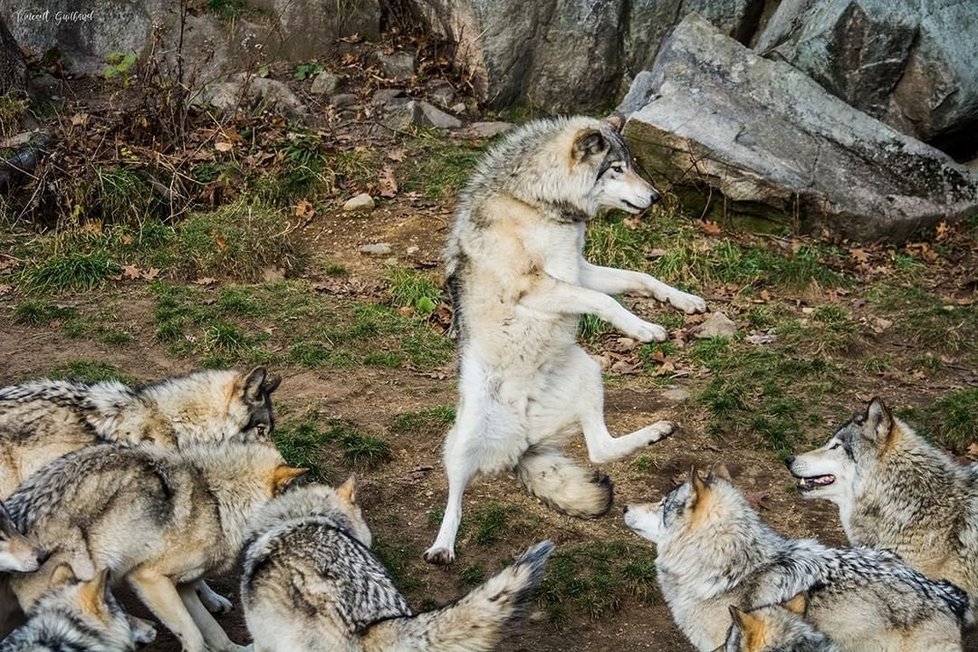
(762, 139)
(564, 55)
(910, 63)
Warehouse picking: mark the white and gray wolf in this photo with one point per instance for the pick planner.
(775, 628)
(713, 551)
(310, 583)
(78, 616)
(519, 283)
(158, 519)
(896, 491)
(42, 420)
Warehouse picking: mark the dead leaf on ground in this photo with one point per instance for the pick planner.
(758, 499)
(387, 182)
(397, 155)
(304, 209)
(207, 280)
(710, 228)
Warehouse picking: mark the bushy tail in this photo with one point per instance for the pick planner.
(477, 622)
(565, 486)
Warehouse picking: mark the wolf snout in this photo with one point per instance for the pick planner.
(654, 196)
(789, 461)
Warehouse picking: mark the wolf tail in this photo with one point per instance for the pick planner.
(563, 485)
(477, 622)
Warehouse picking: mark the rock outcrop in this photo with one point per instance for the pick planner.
(760, 138)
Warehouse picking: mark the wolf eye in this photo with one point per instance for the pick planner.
(261, 429)
(618, 167)
(834, 446)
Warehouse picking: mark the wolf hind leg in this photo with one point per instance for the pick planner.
(214, 635)
(157, 592)
(589, 406)
(214, 601)
(563, 485)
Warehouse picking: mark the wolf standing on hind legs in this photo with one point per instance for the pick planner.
(519, 283)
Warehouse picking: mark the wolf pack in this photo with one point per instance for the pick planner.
(159, 487)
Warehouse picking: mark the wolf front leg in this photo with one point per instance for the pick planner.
(611, 280)
(214, 635)
(158, 593)
(601, 446)
(556, 296)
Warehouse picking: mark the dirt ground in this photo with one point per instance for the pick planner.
(398, 496)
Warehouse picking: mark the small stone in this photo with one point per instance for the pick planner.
(438, 118)
(343, 100)
(402, 116)
(325, 83)
(362, 202)
(676, 394)
(387, 96)
(442, 94)
(413, 250)
(398, 66)
(487, 129)
(459, 108)
(716, 325)
(761, 339)
(376, 249)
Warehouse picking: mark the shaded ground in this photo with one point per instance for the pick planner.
(369, 377)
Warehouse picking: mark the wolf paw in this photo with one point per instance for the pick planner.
(439, 556)
(660, 430)
(215, 602)
(644, 331)
(688, 303)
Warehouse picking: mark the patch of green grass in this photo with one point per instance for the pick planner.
(955, 417)
(417, 290)
(923, 318)
(70, 271)
(226, 337)
(611, 242)
(237, 300)
(472, 576)
(34, 312)
(88, 371)
(644, 463)
(356, 168)
(432, 420)
(396, 558)
(491, 522)
(309, 354)
(593, 578)
(439, 168)
(301, 445)
(590, 328)
(765, 391)
(237, 241)
(116, 337)
(383, 359)
(360, 450)
(117, 195)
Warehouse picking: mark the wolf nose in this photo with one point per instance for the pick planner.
(654, 196)
(624, 509)
(788, 461)
(43, 556)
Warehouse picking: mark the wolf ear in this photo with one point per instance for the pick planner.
(589, 142)
(7, 525)
(271, 383)
(616, 120)
(721, 471)
(879, 421)
(93, 593)
(62, 574)
(285, 475)
(697, 486)
(750, 625)
(348, 490)
(798, 605)
(253, 384)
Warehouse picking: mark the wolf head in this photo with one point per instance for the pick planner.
(698, 511)
(577, 165)
(17, 552)
(94, 611)
(775, 628)
(255, 394)
(854, 452)
(339, 505)
(601, 163)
